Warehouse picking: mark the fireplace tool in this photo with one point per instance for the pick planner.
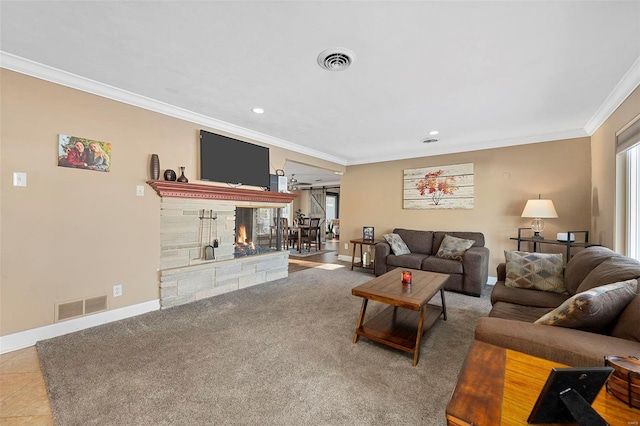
(215, 233)
(200, 230)
(208, 249)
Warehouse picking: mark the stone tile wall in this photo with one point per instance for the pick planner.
(184, 275)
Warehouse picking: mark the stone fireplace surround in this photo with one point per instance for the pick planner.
(184, 276)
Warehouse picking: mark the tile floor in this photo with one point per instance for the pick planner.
(23, 396)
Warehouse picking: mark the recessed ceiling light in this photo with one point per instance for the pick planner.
(258, 110)
(434, 132)
(339, 173)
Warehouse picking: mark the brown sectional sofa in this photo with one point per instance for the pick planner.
(468, 276)
(510, 322)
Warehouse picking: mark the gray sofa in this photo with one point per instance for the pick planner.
(510, 322)
(468, 276)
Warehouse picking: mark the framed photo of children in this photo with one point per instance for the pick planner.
(367, 233)
(80, 153)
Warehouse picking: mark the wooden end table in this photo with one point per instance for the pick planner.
(401, 328)
(499, 386)
(361, 242)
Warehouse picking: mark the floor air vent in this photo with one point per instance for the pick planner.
(78, 308)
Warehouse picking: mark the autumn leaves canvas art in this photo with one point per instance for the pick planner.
(444, 187)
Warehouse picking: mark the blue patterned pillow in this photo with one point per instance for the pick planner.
(398, 246)
(453, 247)
(540, 271)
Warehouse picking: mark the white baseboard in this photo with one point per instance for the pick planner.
(492, 280)
(24, 339)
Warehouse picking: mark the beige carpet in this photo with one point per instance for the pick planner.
(276, 354)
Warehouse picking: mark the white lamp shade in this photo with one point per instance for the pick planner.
(542, 209)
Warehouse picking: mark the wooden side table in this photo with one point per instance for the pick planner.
(499, 386)
(568, 244)
(361, 242)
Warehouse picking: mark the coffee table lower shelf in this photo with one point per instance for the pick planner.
(398, 327)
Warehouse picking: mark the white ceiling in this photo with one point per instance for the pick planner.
(485, 74)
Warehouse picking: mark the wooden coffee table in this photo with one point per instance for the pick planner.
(499, 386)
(401, 328)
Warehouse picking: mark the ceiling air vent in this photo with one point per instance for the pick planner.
(336, 59)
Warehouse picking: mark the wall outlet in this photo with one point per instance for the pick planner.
(346, 246)
(140, 190)
(117, 290)
(19, 179)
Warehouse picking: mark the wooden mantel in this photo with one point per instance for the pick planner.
(166, 188)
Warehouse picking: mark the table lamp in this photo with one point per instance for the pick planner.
(538, 210)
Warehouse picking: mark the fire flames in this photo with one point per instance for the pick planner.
(242, 238)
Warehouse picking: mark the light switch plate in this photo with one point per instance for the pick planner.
(19, 179)
(140, 190)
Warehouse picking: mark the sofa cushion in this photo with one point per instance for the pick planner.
(438, 236)
(411, 260)
(526, 297)
(444, 266)
(583, 262)
(398, 246)
(571, 347)
(615, 269)
(592, 310)
(627, 325)
(454, 247)
(517, 312)
(417, 241)
(541, 271)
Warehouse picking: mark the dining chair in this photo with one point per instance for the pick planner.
(284, 231)
(312, 235)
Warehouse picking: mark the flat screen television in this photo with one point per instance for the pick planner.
(224, 159)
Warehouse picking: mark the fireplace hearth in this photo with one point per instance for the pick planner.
(185, 276)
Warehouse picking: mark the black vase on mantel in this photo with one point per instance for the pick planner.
(169, 175)
(182, 177)
(154, 167)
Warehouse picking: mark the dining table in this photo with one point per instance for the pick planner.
(299, 229)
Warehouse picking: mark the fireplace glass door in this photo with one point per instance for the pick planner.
(256, 231)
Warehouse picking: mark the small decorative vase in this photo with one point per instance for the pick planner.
(154, 167)
(182, 177)
(169, 175)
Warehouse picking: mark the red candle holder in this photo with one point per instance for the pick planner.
(406, 277)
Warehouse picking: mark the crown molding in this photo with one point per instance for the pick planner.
(623, 89)
(476, 146)
(54, 75)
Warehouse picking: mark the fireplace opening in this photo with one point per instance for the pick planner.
(254, 233)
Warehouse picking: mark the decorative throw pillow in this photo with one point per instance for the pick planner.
(540, 271)
(398, 246)
(453, 247)
(592, 310)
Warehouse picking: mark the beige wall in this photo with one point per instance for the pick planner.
(72, 233)
(371, 195)
(603, 163)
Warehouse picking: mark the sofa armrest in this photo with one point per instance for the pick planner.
(475, 264)
(382, 250)
(501, 271)
(565, 345)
